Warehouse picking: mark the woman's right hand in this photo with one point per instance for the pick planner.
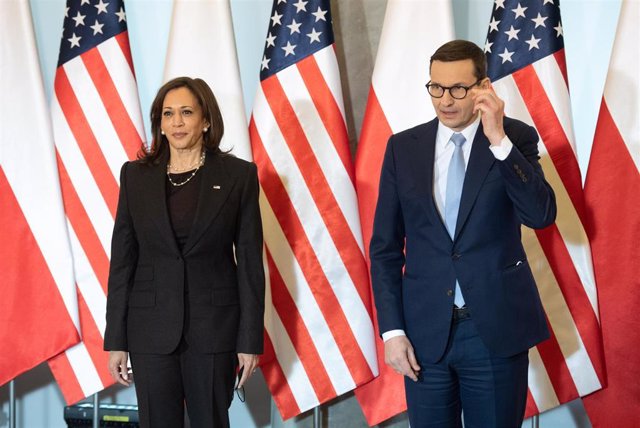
(118, 367)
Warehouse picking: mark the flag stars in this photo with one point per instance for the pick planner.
(265, 63)
(320, 14)
(558, 29)
(539, 20)
(487, 46)
(74, 40)
(548, 1)
(282, 1)
(519, 11)
(101, 6)
(493, 25)
(314, 36)
(271, 40)
(97, 28)
(275, 19)
(294, 27)
(66, 12)
(301, 6)
(506, 56)
(289, 49)
(512, 33)
(533, 42)
(121, 15)
(499, 4)
(79, 18)
(83, 2)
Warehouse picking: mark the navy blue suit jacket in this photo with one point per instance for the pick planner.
(415, 263)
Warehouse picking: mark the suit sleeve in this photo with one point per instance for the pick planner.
(124, 258)
(532, 196)
(387, 248)
(248, 248)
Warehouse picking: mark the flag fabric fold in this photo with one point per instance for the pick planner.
(397, 100)
(612, 194)
(38, 308)
(525, 53)
(202, 44)
(97, 127)
(318, 330)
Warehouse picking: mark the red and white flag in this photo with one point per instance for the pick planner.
(97, 127)
(319, 335)
(202, 44)
(38, 306)
(525, 53)
(398, 100)
(612, 193)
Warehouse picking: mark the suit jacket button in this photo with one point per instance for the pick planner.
(456, 256)
(449, 293)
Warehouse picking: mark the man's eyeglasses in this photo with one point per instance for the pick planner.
(456, 91)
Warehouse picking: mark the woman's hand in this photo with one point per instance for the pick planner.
(248, 364)
(118, 367)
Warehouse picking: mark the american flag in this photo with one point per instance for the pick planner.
(97, 127)
(525, 52)
(319, 337)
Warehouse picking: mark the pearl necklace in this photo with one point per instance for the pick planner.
(173, 183)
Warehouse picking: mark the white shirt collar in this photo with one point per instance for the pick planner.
(469, 132)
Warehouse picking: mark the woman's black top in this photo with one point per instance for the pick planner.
(182, 203)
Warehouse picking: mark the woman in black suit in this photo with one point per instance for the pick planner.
(186, 280)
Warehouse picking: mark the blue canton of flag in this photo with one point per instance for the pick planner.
(87, 24)
(522, 35)
(296, 30)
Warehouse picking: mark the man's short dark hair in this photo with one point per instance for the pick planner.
(459, 50)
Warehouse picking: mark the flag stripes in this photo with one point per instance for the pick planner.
(545, 112)
(323, 94)
(81, 226)
(320, 269)
(84, 136)
(304, 346)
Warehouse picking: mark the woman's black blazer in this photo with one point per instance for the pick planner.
(221, 260)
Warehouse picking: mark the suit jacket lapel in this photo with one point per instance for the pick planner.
(156, 198)
(422, 163)
(480, 161)
(215, 187)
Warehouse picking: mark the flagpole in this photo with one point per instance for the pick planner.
(96, 419)
(317, 416)
(12, 404)
(535, 421)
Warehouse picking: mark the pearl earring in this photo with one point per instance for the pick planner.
(205, 129)
(162, 132)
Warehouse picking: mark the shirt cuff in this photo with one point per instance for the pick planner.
(391, 334)
(501, 151)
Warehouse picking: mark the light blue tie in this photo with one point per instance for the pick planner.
(455, 179)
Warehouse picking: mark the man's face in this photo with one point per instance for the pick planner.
(455, 114)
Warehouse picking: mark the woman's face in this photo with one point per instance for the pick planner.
(182, 121)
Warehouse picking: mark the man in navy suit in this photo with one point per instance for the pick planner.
(458, 306)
